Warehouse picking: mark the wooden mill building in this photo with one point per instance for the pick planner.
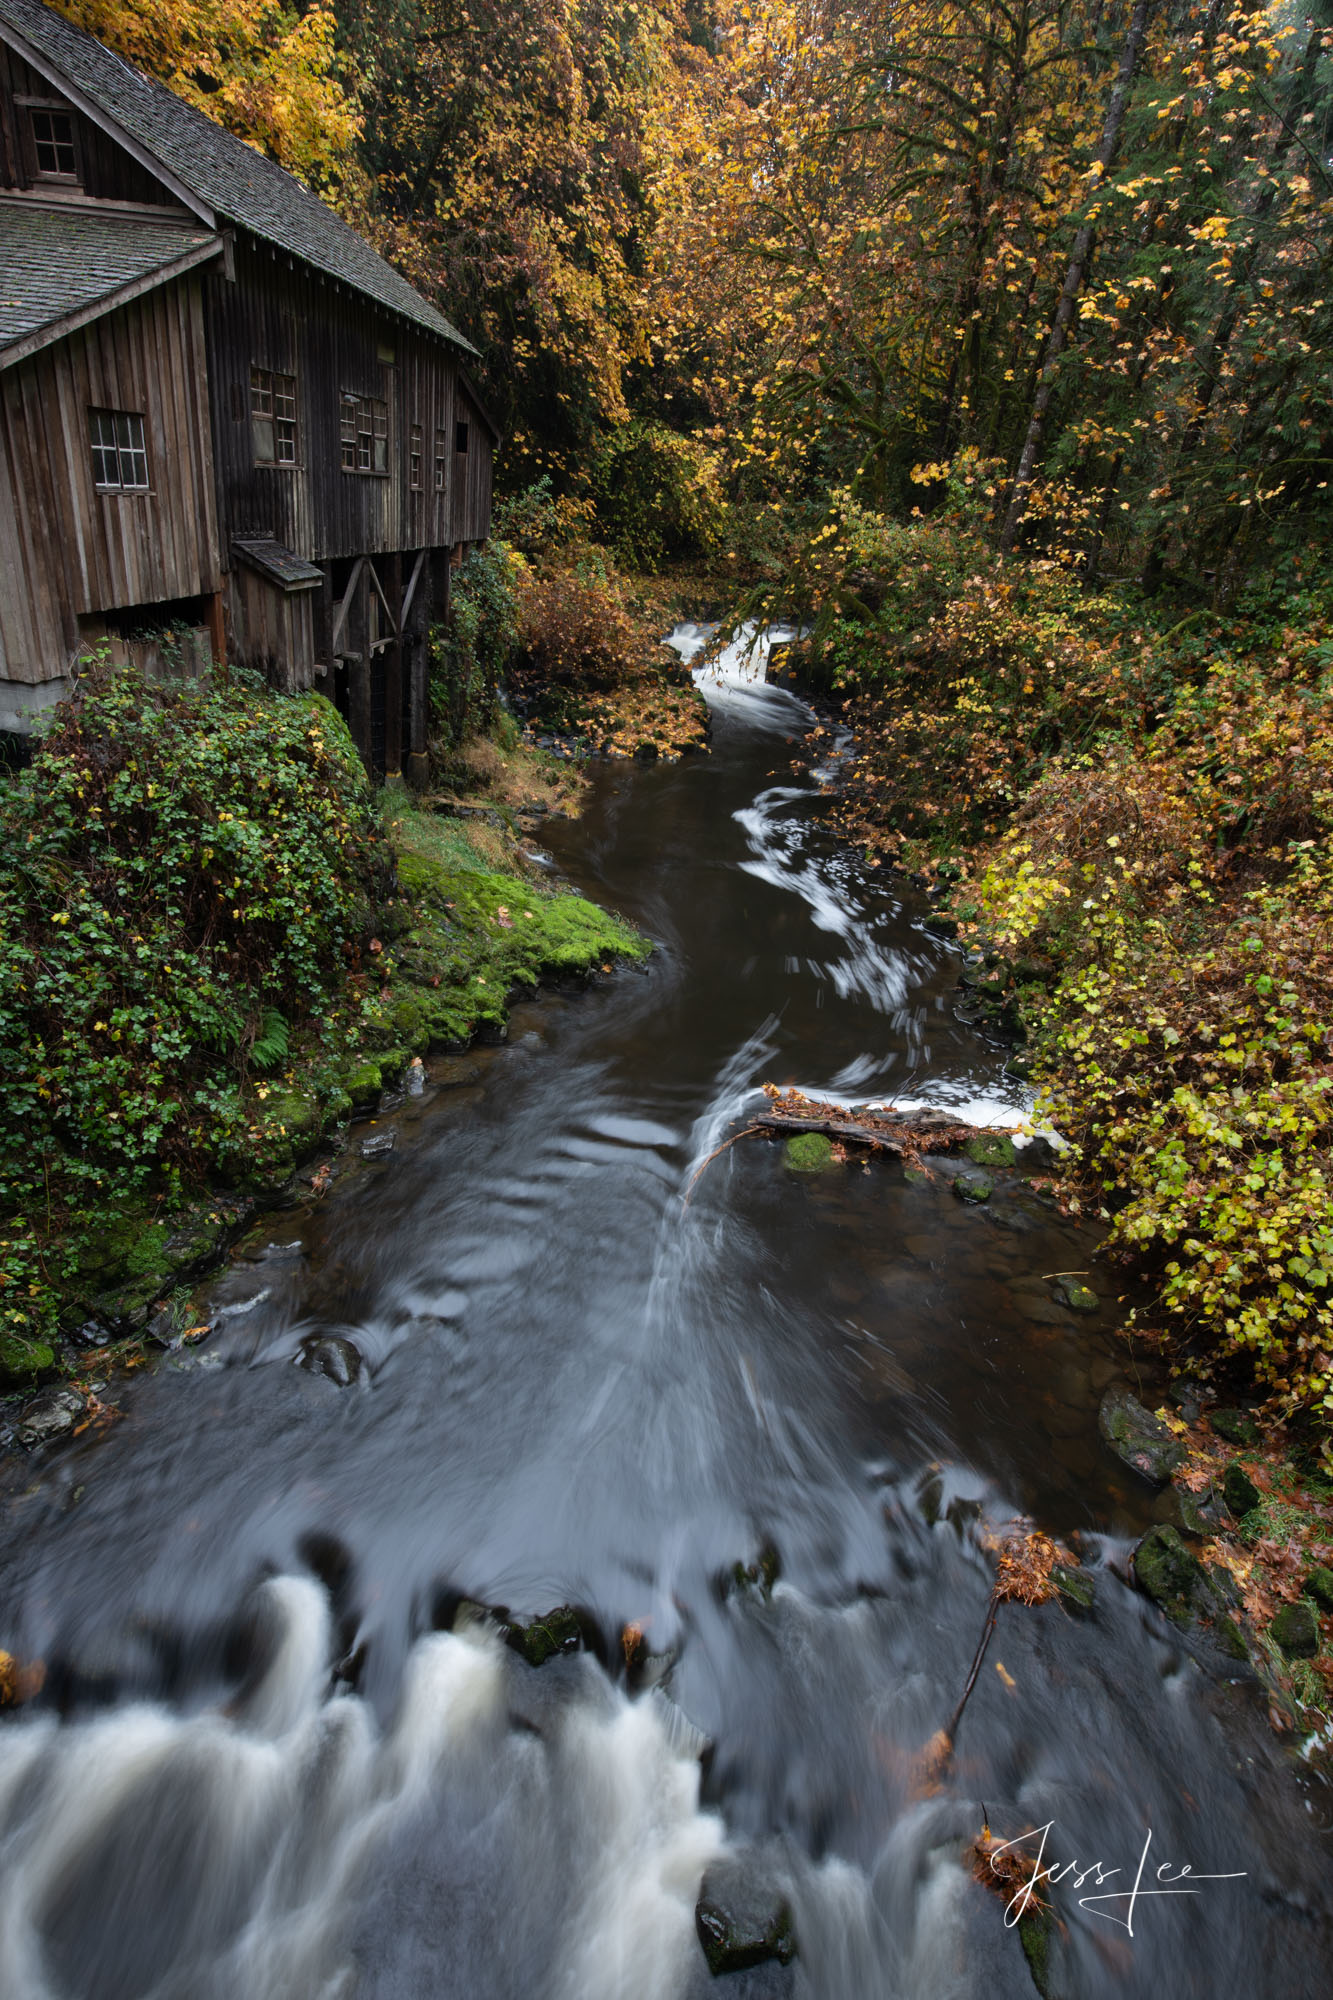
(222, 414)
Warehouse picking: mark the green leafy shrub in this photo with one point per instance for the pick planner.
(657, 494)
(1185, 889)
(184, 872)
(472, 650)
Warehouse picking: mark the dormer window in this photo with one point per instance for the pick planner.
(54, 154)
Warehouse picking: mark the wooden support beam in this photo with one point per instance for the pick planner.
(343, 611)
(393, 679)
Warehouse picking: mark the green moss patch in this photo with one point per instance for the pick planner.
(472, 934)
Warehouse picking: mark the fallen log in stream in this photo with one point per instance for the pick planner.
(905, 1134)
(885, 1130)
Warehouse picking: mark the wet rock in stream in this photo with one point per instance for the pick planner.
(742, 1919)
(1177, 1582)
(990, 1149)
(558, 1632)
(333, 1356)
(53, 1414)
(973, 1188)
(1142, 1440)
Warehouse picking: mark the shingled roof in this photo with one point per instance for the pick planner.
(58, 264)
(230, 178)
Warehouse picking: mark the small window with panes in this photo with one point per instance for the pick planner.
(55, 156)
(363, 430)
(120, 451)
(273, 426)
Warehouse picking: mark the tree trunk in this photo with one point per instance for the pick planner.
(1074, 276)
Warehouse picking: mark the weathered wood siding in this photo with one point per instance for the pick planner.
(279, 315)
(471, 517)
(67, 551)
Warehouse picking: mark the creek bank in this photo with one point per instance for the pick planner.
(1155, 959)
(1242, 1562)
(467, 923)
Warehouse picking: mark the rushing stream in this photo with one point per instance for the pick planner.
(265, 1766)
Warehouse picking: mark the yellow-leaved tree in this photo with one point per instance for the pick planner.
(270, 73)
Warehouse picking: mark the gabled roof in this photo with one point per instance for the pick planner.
(229, 181)
(60, 265)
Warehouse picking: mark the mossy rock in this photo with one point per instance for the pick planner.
(1296, 1630)
(1319, 1585)
(1141, 1439)
(1230, 1637)
(411, 1023)
(917, 1177)
(757, 1578)
(990, 1149)
(1036, 1933)
(1077, 1591)
(1169, 1573)
(126, 1306)
(364, 1084)
(741, 1919)
(558, 1632)
(1236, 1426)
(23, 1361)
(809, 1153)
(1239, 1491)
(1078, 1298)
(973, 1188)
(131, 1242)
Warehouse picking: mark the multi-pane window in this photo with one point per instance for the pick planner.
(441, 457)
(120, 455)
(364, 433)
(414, 459)
(53, 145)
(460, 437)
(273, 417)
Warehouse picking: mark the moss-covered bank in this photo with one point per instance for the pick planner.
(217, 944)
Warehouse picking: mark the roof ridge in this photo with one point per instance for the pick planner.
(235, 179)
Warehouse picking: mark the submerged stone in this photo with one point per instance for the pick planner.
(1138, 1437)
(378, 1146)
(973, 1188)
(333, 1356)
(809, 1153)
(1079, 1298)
(1078, 1593)
(741, 1919)
(1296, 1630)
